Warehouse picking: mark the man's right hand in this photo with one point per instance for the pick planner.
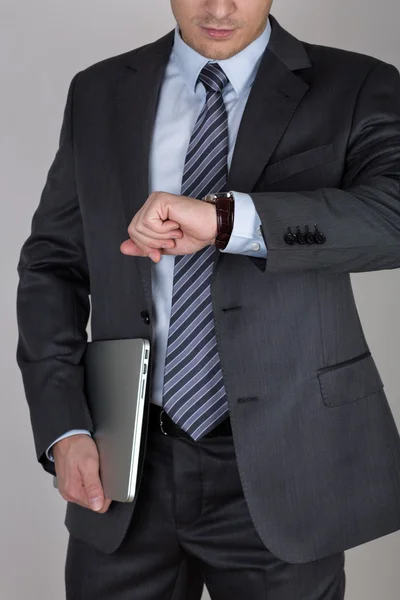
(77, 466)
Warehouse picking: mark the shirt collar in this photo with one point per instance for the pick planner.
(240, 69)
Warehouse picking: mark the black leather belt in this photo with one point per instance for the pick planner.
(159, 420)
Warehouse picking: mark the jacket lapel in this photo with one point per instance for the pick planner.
(137, 97)
(275, 95)
(274, 98)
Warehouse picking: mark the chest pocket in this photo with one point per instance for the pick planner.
(298, 162)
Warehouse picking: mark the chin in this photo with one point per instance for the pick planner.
(217, 50)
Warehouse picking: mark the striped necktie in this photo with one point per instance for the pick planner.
(194, 395)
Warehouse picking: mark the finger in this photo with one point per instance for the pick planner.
(71, 488)
(92, 484)
(159, 226)
(155, 255)
(146, 243)
(106, 506)
(137, 248)
(157, 230)
(77, 498)
(181, 248)
(131, 249)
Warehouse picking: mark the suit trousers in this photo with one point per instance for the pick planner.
(190, 527)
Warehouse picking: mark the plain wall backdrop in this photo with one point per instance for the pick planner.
(42, 45)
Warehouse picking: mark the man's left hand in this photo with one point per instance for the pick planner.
(170, 224)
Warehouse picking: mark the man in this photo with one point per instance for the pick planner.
(281, 450)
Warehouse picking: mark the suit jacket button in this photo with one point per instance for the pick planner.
(320, 238)
(301, 237)
(290, 238)
(145, 317)
(310, 237)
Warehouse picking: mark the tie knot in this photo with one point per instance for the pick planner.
(213, 78)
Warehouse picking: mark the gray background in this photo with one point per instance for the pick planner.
(42, 45)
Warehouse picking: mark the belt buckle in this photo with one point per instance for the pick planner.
(162, 423)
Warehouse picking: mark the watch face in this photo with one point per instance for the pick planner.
(224, 195)
(211, 198)
(214, 197)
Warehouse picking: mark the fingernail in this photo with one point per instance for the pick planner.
(97, 503)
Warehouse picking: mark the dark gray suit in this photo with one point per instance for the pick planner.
(316, 444)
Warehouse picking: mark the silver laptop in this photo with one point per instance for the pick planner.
(115, 385)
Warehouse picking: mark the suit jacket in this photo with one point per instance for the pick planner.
(317, 446)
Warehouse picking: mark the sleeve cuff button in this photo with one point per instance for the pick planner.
(256, 246)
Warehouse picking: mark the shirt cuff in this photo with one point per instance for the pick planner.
(49, 452)
(246, 237)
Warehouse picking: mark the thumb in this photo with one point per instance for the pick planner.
(93, 488)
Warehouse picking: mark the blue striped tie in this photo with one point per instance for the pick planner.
(194, 395)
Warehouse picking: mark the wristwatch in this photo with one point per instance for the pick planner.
(225, 205)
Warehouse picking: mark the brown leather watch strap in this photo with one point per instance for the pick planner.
(225, 219)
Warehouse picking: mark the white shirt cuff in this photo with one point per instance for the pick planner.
(246, 237)
(49, 452)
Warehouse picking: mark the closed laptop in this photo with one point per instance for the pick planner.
(115, 385)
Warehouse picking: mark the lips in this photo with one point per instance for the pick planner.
(218, 33)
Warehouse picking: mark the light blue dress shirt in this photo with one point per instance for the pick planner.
(181, 100)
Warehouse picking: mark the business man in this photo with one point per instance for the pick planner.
(254, 173)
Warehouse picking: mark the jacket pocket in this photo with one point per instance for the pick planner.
(297, 163)
(349, 381)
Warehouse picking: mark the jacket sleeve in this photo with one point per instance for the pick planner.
(53, 304)
(361, 220)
